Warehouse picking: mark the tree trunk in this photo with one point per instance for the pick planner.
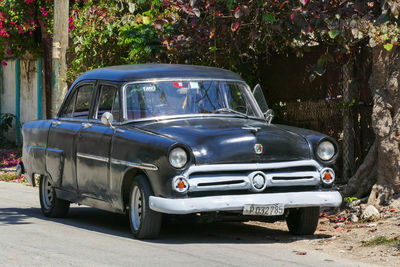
(348, 120)
(380, 171)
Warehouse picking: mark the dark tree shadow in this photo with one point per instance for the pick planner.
(13, 216)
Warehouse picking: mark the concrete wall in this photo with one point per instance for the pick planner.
(8, 94)
(28, 93)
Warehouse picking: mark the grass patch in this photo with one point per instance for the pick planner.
(381, 240)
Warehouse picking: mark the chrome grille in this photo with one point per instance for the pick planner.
(223, 177)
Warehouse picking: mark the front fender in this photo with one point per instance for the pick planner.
(314, 139)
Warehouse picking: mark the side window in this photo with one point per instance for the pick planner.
(82, 103)
(78, 104)
(109, 101)
(69, 108)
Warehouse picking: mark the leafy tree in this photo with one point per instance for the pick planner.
(120, 32)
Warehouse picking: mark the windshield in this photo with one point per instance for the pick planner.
(153, 99)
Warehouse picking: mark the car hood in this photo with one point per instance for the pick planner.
(216, 140)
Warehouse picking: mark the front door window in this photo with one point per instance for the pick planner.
(78, 103)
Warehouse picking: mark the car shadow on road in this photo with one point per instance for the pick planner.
(226, 232)
(172, 232)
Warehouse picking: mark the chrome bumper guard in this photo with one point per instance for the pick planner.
(237, 202)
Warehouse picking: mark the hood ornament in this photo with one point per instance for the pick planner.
(251, 128)
(258, 148)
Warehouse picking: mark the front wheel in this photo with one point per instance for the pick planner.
(144, 222)
(303, 221)
(51, 205)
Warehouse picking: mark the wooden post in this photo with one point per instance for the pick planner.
(59, 62)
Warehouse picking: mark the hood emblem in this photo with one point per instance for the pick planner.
(258, 148)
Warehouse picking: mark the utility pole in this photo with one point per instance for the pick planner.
(59, 52)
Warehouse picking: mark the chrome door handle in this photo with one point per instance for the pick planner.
(86, 125)
(55, 123)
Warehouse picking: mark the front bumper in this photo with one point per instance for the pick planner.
(237, 202)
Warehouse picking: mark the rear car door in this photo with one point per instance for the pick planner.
(63, 136)
(94, 144)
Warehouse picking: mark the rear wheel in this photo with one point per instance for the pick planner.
(145, 223)
(51, 205)
(303, 221)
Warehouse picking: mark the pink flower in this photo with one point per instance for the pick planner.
(292, 16)
(28, 1)
(235, 27)
(45, 12)
(71, 24)
(3, 63)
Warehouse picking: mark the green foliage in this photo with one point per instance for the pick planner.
(333, 33)
(119, 32)
(381, 240)
(269, 18)
(388, 47)
(234, 34)
(229, 3)
(349, 199)
(142, 40)
(6, 120)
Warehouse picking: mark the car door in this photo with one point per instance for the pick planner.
(63, 136)
(93, 146)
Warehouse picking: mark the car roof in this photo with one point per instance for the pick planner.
(124, 73)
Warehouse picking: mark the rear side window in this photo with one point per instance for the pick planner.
(78, 105)
(109, 102)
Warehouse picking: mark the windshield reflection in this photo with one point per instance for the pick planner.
(154, 99)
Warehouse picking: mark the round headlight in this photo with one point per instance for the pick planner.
(178, 157)
(326, 150)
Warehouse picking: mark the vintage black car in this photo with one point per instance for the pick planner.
(159, 139)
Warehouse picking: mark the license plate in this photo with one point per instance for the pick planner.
(264, 210)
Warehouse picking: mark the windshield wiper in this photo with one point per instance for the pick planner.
(229, 110)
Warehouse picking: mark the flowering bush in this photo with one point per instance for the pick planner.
(11, 176)
(9, 159)
(22, 24)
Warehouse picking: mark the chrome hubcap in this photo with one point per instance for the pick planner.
(47, 193)
(136, 207)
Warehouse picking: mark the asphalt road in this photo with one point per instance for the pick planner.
(90, 237)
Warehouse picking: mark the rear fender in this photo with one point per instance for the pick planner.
(35, 135)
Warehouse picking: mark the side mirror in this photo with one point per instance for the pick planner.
(107, 119)
(269, 115)
(262, 103)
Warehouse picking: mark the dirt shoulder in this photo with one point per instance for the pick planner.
(372, 242)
